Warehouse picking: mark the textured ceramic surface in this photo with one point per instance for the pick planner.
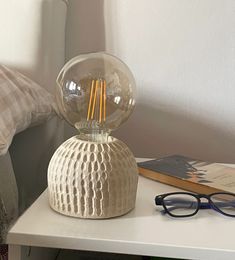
(92, 180)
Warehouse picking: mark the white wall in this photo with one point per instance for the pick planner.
(32, 38)
(182, 54)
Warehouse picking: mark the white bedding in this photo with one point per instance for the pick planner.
(23, 103)
(33, 42)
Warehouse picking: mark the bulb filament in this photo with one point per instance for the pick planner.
(97, 99)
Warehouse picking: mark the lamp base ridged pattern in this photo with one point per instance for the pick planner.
(91, 179)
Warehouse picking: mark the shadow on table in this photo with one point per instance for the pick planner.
(87, 255)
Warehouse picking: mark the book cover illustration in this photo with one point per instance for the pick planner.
(216, 175)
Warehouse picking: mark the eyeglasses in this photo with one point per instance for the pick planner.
(185, 204)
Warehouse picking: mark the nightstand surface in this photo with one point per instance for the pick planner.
(143, 231)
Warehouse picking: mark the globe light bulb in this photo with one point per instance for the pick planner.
(95, 94)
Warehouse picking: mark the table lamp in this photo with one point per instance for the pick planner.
(92, 174)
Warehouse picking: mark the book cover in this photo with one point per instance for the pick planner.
(190, 174)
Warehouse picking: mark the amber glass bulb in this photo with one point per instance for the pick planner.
(95, 94)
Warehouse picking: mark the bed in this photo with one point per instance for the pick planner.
(33, 43)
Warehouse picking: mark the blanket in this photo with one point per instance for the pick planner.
(8, 196)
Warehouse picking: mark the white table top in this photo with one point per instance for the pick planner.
(144, 231)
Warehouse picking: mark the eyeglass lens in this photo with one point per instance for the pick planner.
(225, 203)
(181, 204)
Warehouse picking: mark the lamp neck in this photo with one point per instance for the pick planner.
(99, 136)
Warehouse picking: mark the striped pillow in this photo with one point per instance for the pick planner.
(23, 103)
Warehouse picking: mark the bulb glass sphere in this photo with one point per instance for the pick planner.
(96, 94)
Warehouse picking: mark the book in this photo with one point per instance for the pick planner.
(190, 174)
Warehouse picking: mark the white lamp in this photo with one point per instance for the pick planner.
(94, 175)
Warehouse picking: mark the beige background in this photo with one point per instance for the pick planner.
(182, 53)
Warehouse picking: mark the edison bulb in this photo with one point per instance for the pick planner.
(96, 94)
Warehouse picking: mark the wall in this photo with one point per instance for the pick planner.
(32, 38)
(182, 54)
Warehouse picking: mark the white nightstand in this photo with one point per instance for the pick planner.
(144, 231)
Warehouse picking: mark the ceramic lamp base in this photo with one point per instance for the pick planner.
(92, 180)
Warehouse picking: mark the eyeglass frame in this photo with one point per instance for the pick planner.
(159, 201)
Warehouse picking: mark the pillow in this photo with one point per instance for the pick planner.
(23, 103)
